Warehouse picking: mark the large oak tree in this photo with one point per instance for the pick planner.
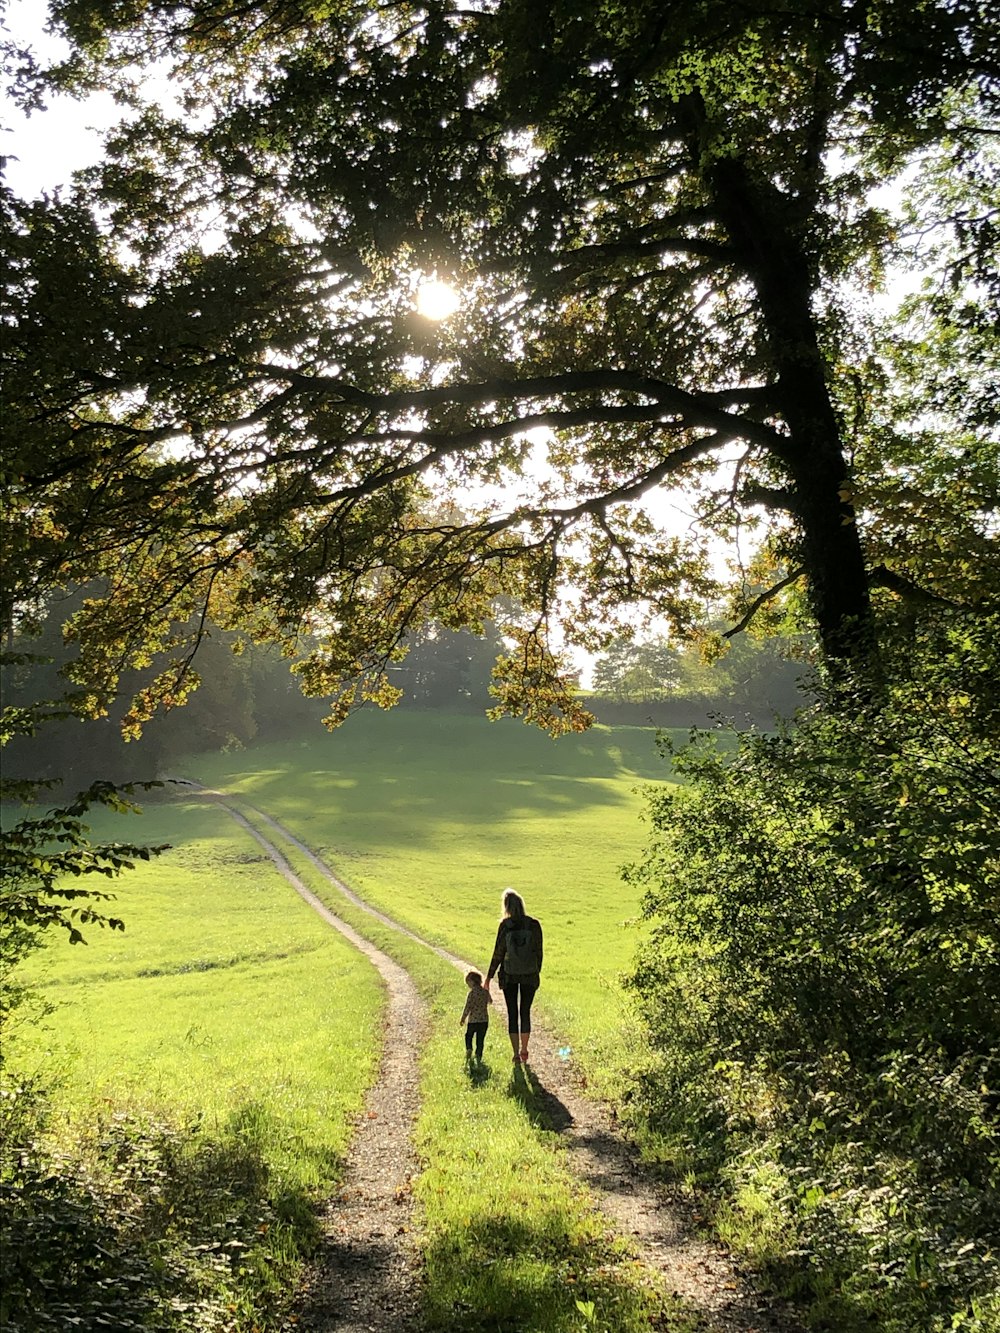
(660, 220)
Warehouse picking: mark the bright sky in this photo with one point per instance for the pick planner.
(49, 145)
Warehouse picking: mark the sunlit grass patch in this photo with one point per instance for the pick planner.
(206, 1067)
(512, 1241)
(225, 988)
(210, 1044)
(430, 816)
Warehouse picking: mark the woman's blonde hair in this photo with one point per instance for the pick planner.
(513, 905)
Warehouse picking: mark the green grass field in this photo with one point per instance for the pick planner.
(188, 1008)
(509, 1238)
(202, 1074)
(430, 816)
(221, 1006)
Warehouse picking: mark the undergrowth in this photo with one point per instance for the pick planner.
(820, 998)
(133, 1221)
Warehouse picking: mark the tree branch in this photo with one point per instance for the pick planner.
(694, 409)
(760, 601)
(883, 577)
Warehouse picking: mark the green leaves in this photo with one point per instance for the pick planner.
(825, 931)
(43, 856)
(654, 224)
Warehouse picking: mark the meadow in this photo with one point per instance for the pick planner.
(217, 1018)
(200, 1076)
(187, 1009)
(430, 816)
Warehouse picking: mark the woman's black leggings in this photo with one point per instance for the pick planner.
(519, 1004)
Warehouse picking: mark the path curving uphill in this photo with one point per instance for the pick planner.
(366, 1276)
(366, 1272)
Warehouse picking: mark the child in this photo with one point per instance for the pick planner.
(476, 1006)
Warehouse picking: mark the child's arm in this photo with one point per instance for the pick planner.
(465, 1011)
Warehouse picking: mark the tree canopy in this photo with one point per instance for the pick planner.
(661, 223)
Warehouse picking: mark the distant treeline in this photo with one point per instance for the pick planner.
(656, 683)
(247, 693)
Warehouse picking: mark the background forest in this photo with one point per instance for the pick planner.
(247, 694)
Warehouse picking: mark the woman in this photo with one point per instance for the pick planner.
(518, 956)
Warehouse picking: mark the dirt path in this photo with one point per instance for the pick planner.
(372, 1237)
(366, 1273)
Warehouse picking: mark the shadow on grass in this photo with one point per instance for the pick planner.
(512, 1272)
(478, 1072)
(541, 1105)
(414, 763)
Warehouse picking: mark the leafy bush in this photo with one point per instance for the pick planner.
(47, 864)
(141, 1224)
(821, 990)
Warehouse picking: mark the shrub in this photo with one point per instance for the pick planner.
(821, 989)
(140, 1224)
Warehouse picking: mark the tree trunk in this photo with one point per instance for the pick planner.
(756, 216)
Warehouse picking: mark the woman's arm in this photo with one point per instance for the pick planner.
(499, 949)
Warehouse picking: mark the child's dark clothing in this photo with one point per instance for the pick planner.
(476, 1017)
(477, 1030)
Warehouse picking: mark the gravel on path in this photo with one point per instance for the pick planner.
(365, 1274)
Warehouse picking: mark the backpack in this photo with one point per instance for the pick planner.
(521, 956)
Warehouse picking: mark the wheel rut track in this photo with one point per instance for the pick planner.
(366, 1275)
